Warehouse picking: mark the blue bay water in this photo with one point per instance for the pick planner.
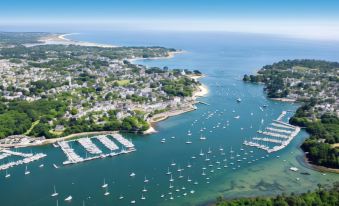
(224, 58)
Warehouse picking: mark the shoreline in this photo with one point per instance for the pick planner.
(317, 167)
(170, 55)
(202, 91)
(283, 99)
(53, 140)
(61, 39)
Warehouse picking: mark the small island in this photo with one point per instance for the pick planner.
(314, 83)
(53, 90)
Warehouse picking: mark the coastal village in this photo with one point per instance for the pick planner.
(302, 80)
(98, 84)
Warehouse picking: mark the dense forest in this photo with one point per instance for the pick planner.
(320, 197)
(324, 132)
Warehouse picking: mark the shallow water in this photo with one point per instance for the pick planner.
(224, 58)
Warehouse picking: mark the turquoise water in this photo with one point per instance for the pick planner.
(224, 58)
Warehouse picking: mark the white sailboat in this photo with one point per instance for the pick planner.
(201, 153)
(143, 197)
(202, 137)
(7, 175)
(173, 163)
(171, 179)
(106, 192)
(146, 180)
(55, 192)
(27, 172)
(188, 179)
(69, 198)
(209, 150)
(188, 141)
(105, 184)
(168, 171)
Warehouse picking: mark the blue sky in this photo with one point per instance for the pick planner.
(233, 15)
(205, 9)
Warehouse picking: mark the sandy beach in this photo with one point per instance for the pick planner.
(203, 91)
(283, 99)
(170, 55)
(61, 39)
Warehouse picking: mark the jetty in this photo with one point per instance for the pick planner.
(4, 155)
(72, 157)
(20, 154)
(89, 145)
(26, 160)
(107, 142)
(123, 141)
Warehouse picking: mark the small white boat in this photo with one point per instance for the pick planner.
(144, 190)
(237, 117)
(171, 179)
(168, 171)
(132, 174)
(106, 192)
(133, 202)
(163, 140)
(143, 197)
(146, 180)
(42, 165)
(173, 163)
(202, 137)
(121, 197)
(55, 192)
(27, 172)
(55, 166)
(239, 100)
(7, 175)
(69, 198)
(188, 141)
(104, 185)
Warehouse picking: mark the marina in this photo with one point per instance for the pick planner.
(93, 149)
(273, 135)
(26, 160)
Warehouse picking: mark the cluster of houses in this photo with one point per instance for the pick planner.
(122, 79)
